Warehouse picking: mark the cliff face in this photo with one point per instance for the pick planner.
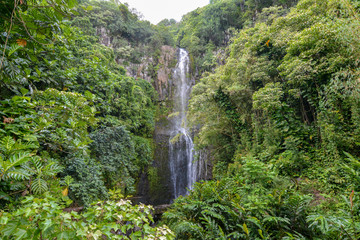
(167, 62)
(156, 70)
(155, 185)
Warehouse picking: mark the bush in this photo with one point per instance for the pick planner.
(45, 218)
(114, 149)
(88, 184)
(251, 202)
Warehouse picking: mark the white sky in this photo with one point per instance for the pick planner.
(157, 10)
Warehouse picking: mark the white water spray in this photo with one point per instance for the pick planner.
(181, 152)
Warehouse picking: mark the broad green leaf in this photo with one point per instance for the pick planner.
(48, 223)
(24, 91)
(64, 235)
(10, 228)
(245, 228)
(4, 220)
(20, 234)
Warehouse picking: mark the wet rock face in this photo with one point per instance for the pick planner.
(173, 155)
(155, 186)
(156, 70)
(163, 181)
(160, 191)
(167, 62)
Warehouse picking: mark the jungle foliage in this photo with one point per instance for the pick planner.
(206, 32)
(288, 93)
(253, 201)
(58, 88)
(276, 106)
(280, 118)
(45, 218)
(74, 126)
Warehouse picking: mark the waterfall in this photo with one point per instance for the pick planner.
(174, 169)
(181, 147)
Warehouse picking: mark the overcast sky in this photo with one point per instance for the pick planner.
(157, 10)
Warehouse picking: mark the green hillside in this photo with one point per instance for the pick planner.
(275, 107)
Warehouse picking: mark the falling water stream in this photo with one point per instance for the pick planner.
(181, 147)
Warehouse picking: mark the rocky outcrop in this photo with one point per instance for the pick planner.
(167, 62)
(154, 69)
(157, 70)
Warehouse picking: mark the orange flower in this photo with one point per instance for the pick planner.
(21, 42)
(267, 43)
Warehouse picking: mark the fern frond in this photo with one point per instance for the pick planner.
(194, 231)
(211, 213)
(355, 162)
(213, 230)
(37, 163)
(16, 186)
(270, 220)
(52, 169)
(9, 170)
(18, 159)
(6, 144)
(16, 174)
(13, 48)
(39, 186)
(19, 145)
(256, 222)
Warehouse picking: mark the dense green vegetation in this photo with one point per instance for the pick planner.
(287, 94)
(276, 106)
(280, 118)
(67, 87)
(44, 218)
(74, 128)
(206, 32)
